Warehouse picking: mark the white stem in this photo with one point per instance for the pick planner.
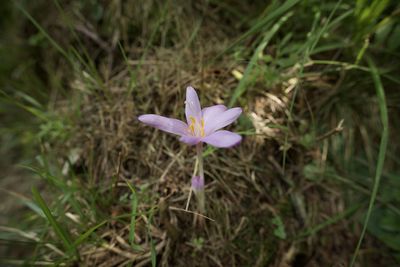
(200, 193)
(191, 189)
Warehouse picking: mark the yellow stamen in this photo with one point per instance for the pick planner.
(194, 126)
(192, 119)
(193, 122)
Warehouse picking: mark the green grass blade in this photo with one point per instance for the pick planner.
(132, 79)
(60, 232)
(86, 234)
(332, 220)
(381, 155)
(242, 86)
(42, 31)
(69, 56)
(263, 22)
(153, 254)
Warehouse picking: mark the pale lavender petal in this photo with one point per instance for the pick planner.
(197, 183)
(222, 120)
(222, 139)
(192, 105)
(212, 112)
(165, 124)
(190, 140)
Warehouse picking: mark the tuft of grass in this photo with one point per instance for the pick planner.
(58, 229)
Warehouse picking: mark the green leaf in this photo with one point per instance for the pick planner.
(280, 228)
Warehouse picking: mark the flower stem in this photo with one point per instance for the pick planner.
(191, 188)
(200, 193)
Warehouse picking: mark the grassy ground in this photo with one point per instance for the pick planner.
(315, 181)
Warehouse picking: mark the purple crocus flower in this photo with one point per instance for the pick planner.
(203, 125)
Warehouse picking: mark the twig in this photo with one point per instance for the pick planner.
(337, 129)
(195, 213)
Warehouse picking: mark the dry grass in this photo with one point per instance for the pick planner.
(246, 186)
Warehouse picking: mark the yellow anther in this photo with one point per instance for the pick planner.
(192, 119)
(196, 128)
(192, 124)
(202, 128)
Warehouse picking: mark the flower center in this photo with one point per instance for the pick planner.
(196, 128)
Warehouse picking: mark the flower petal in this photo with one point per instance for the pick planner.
(222, 120)
(169, 125)
(190, 140)
(192, 108)
(197, 183)
(212, 112)
(223, 139)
